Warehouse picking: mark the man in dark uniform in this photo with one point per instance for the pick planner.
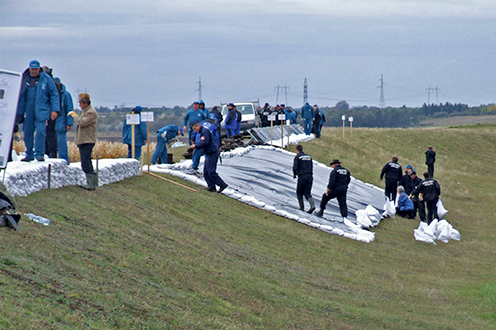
(393, 172)
(208, 144)
(406, 180)
(416, 203)
(303, 169)
(430, 159)
(428, 191)
(337, 187)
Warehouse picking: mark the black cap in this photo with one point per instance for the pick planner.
(335, 161)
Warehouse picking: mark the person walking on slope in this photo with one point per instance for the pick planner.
(39, 101)
(428, 192)
(87, 126)
(164, 135)
(307, 113)
(303, 169)
(208, 144)
(393, 172)
(430, 159)
(140, 135)
(339, 179)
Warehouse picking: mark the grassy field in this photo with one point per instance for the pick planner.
(146, 254)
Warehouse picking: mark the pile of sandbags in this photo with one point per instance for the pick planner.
(437, 230)
(369, 217)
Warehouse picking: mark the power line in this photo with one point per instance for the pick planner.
(305, 92)
(428, 90)
(199, 89)
(382, 101)
(277, 88)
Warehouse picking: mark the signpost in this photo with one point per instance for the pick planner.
(147, 117)
(271, 118)
(10, 84)
(343, 118)
(282, 118)
(351, 124)
(132, 119)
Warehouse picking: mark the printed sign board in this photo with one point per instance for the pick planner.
(132, 119)
(147, 116)
(271, 117)
(281, 117)
(10, 85)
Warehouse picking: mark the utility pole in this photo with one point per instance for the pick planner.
(199, 88)
(79, 91)
(285, 88)
(382, 102)
(305, 92)
(428, 90)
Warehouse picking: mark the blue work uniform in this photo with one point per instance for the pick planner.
(161, 149)
(191, 116)
(212, 127)
(38, 98)
(307, 113)
(208, 145)
(62, 122)
(231, 122)
(139, 138)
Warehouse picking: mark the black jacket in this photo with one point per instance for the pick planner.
(339, 179)
(302, 164)
(430, 157)
(430, 188)
(393, 171)
(407, 183)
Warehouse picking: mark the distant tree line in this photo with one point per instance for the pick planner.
(110, 120)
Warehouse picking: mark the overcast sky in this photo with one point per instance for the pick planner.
(152, 52)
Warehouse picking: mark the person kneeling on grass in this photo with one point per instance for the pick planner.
(405, 205)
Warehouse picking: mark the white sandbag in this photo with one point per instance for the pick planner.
(421, 236)
(390, 210)
(441, 211)
(455, 234)
(363, 219)
(374, 215)
(433, 226)
(354, 228)
(444, 234)
(424, 228)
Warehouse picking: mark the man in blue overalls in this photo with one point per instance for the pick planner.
(38, 101)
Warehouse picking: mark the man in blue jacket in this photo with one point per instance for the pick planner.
(64, 122)
(231, 121)
(203, 109)
(213, 127)
(38, 101)
(191, 116)
(307, 113)
(210, 148)
(139, 135)
(405, 205)
(164, 135)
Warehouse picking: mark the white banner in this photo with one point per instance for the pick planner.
(10, 85)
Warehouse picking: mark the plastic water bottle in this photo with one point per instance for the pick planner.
(37, 218)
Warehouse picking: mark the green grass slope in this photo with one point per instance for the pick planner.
(146, 254)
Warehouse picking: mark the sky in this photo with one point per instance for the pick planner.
(152, 53)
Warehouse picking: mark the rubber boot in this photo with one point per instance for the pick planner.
(89, 179)
(319, 213)
(312, 205)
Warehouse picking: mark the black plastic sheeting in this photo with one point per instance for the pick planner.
(263, 134)
(262, 176)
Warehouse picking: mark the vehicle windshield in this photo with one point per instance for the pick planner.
(245, 109)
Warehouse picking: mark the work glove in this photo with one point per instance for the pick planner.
(421, 197)
(164, 135)
(294, 176)
(410, 197)
(73, 114)
(327, 191)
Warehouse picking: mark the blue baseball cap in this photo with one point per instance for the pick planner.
(138, 109)
(196, 102)
(409, 166)
(34, 64)
(194, 122)
(181, 130)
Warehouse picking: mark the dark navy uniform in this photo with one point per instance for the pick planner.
(407, 183)
(430, 159)
(303, 169)
(339, 179)
(430, 190)
(208, 144)
(393, 172)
